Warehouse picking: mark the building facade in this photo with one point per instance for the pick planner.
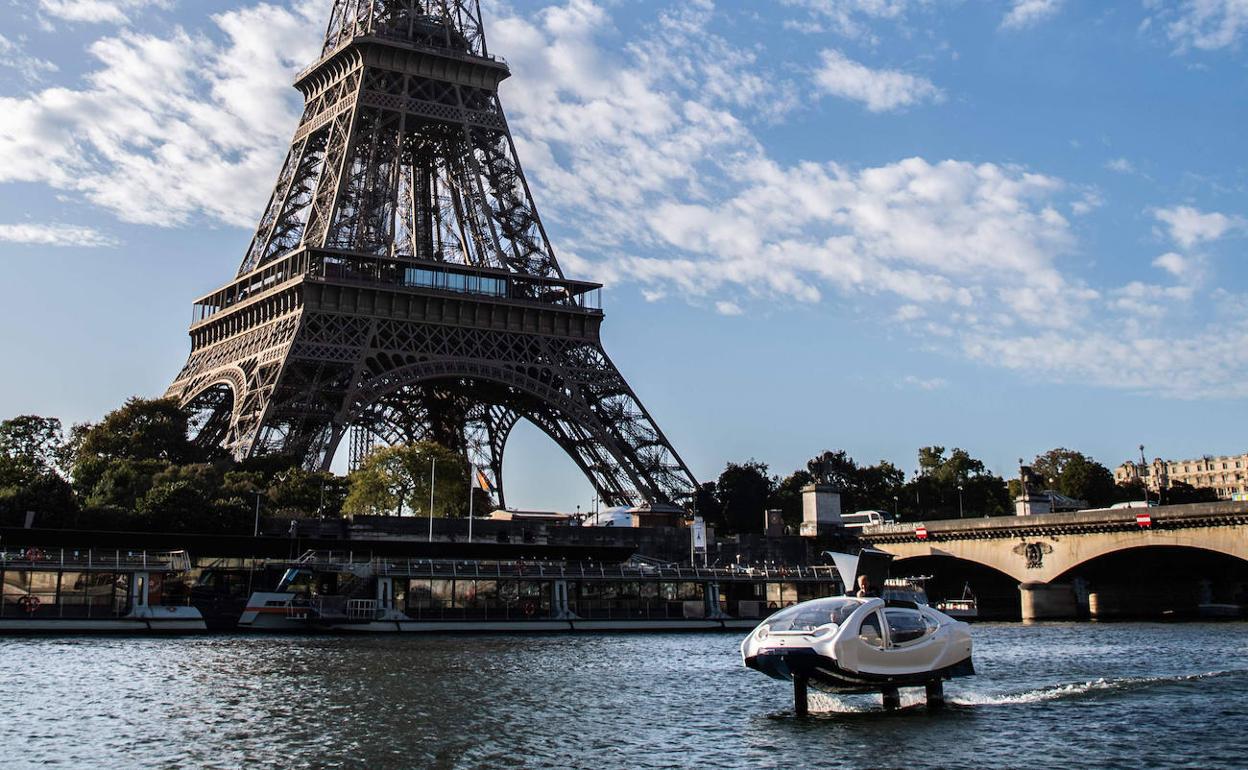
(1227, 475)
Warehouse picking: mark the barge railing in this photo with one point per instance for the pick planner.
(350, 562)
(94, 559)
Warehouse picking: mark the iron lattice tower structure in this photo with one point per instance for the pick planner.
(400, 284)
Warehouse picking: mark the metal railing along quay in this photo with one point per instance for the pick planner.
(90, 559)
(349, 561)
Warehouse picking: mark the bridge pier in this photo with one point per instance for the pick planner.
(1047, 601)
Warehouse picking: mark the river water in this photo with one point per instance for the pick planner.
(1047, 695)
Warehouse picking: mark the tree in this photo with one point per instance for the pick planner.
(861, 487)
(834, 468)
(706, 504)
(787, 496)
(142, 429)
(296, 491)
(148, 434)
(935, 493)
(33, 440)
(1076, 475)
(46, 495)
(743, 491)
(1180, 492)
(396, 478)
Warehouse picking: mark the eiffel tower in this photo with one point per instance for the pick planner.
(400, 285)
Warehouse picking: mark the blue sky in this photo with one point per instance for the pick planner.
(865, 224)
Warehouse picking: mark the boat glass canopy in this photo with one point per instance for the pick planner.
(811, 615)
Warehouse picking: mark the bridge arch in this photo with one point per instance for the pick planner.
(1102, 547)
(949, 576)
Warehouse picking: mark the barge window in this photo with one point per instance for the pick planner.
(121, 593)
(418, 594)
(487, 593)
(43, 587)
(690, 591)
(16, 585)
(465, 593)
(441, 593)
(781, 594)
(509, 592)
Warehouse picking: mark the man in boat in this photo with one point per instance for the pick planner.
(865, 589)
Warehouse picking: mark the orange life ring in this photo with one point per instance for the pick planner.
(34, 554)
(529, 608)
(28, 604)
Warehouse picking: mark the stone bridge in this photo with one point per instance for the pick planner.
(1094, 562)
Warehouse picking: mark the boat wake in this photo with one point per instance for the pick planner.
(1090, 688)
(832, 704)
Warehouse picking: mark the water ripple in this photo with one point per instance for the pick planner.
(1122, 695)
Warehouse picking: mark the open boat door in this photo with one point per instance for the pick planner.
(871, 562)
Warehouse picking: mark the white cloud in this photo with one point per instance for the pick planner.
(850, 18)
(1146, 299)
(1206, 364)
(931, 383)
(681, 199)
(645, 166)
(1120, 165)
(880, 90)
(1176, 264)
(1089, 202)
(1188, 226)
(1206, 24)
(98, 11)
(30, 68)
(164, 128)
(54, 235)
(1025, 13)
(907, 313)
(726, 307)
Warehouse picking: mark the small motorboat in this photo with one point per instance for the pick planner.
(848, 644)
(964, 608)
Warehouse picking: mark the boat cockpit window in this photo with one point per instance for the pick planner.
(870, 630)
(906, 626)
(295, 581)
(813, 614)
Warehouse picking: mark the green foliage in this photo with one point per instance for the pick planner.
(1076, 475)
(120, 483)
(706, 504)
(954, 485)
(861, 487)
(394, 480)
(787, 496)
(33, 440)
(1182, 492)
(142, 429)
(743, 491)
(142, 437)
(297, 492)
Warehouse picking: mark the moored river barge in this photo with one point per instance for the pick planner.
(339, 592)
(91, 590)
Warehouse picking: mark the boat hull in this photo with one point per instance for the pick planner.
(825, 674)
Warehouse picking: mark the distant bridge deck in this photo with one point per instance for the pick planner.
(1046, 552)
(1097, 520)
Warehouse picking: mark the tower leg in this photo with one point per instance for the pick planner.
(891, 699)
(935, 694)
(801, 706)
